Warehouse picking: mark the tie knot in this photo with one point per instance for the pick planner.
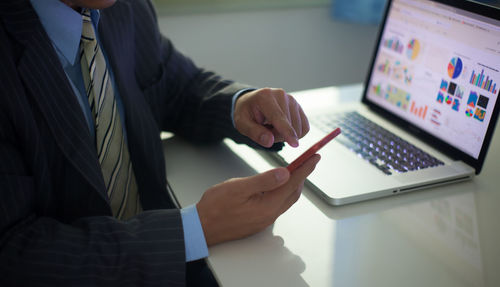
(88, 34)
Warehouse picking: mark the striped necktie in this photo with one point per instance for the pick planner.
(112, 148)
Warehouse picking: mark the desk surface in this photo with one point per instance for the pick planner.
(446, 236)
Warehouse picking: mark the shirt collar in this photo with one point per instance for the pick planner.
(63, 26)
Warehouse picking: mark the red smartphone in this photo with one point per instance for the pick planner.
(312, 150)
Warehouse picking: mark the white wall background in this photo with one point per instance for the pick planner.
(294, 48)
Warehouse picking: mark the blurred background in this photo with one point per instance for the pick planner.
(290, 44)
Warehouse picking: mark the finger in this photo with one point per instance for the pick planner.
(283, 100)
(296, 118)
(302, 173)
(280, 122)
(304, 121)
(296, 179)
(266, 181)
(292, 199)
(254, 126)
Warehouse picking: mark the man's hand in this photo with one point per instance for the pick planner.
(268, 116)
(243, 206)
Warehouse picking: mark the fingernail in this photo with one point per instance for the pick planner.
(264, 140)
(318, 158)
(281, 174)
(294, 142)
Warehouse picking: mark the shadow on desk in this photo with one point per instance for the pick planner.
(284, 266)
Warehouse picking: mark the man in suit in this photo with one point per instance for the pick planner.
(81, 77)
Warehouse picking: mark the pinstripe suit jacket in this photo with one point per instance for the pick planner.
(56, 226)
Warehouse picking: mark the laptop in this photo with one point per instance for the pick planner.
(428, 110)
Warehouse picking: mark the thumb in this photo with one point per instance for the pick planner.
(265, 181)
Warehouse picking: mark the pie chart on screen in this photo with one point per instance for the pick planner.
(455, 67)
(413, 49)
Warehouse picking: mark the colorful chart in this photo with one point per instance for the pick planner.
(413, 49)
(468, 112)
(472, 99)
(479, 114)
(440, 97)
(377, 89)
(384, 67)
(448, 99)
(471, 104)
(393, 44)
(459, 93)
(451, 94)
(397, 97)
(455, 67)
(402, 73)
(456, 105)
(420, 112)
(479, 80)
(481, 105)
(444, 86)
(397, 70)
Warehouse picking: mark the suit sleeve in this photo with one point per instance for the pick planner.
(191, 102)
(38, 249)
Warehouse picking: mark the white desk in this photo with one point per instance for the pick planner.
(446, 236)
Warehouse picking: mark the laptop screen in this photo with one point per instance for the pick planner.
(438, 67)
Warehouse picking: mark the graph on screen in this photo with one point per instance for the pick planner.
(419, 111)
(395, 69)
(483, 81)
(413, 49)
(394, 44)
(455, 67)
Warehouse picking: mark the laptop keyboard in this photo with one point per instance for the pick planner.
(386, 151)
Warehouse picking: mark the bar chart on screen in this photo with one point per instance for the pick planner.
(483, 81)
(419, 111)
(394, 44)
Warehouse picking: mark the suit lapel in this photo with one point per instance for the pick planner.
(47, 82)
